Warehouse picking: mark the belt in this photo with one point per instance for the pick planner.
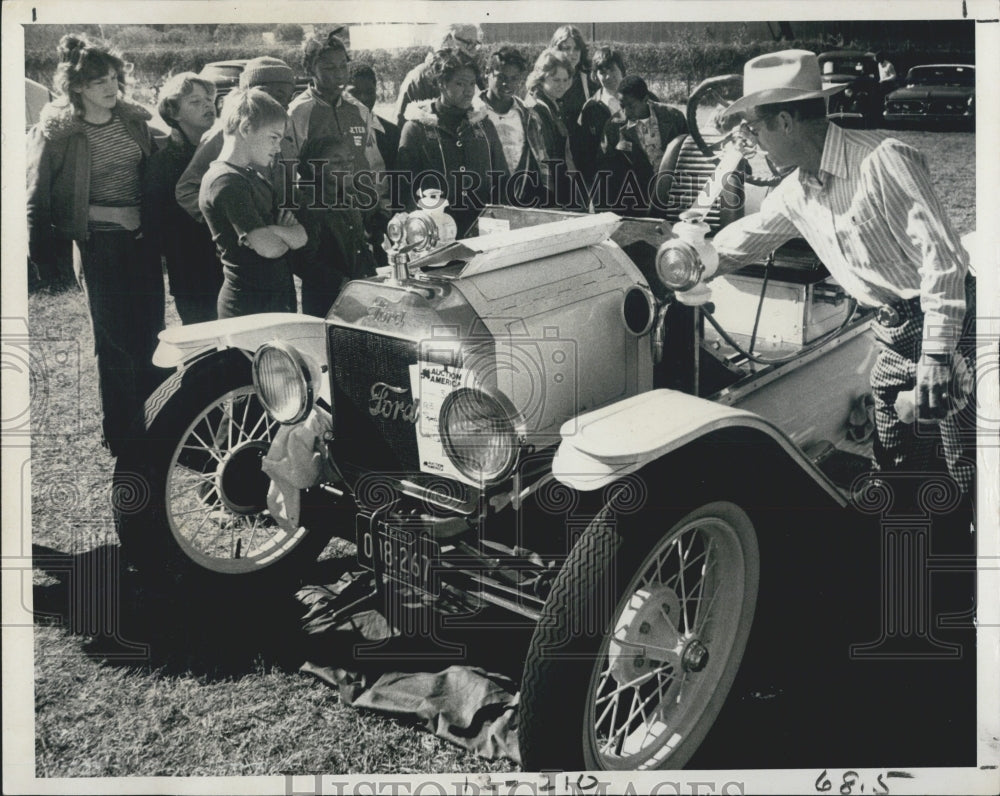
(127, 217)
(893, 315)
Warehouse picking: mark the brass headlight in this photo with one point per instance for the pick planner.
(283, 383)
(678, 265)
(421, 232)
(394, 231)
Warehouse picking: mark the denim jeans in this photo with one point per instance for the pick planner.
(124, 288)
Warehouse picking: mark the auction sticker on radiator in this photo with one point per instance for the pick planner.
(431, 383)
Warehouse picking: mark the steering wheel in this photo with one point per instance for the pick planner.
(727, 131)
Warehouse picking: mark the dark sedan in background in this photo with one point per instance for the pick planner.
(226, 76)
(861, 100)
(935, 94)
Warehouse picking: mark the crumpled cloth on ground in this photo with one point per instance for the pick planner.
(465, 705)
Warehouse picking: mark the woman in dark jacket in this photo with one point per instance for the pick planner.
(187, 105)
(446, 144)
(548, 81)
(569, 41)
(86, 158)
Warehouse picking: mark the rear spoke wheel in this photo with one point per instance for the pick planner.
(640, 641)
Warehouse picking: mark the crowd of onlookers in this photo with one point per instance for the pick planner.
(281, 185)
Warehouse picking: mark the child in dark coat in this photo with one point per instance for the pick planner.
(338, 249)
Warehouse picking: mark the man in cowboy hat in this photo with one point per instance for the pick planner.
(867, 207)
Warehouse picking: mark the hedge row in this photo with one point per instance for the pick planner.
(672, 68)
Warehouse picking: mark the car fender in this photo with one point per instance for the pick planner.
(608, 443)
(181, 345)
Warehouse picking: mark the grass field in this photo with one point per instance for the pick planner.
(127, 685)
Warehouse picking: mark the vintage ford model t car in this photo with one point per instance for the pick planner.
(549, 391)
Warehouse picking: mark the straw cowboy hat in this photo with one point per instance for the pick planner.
(786, 76)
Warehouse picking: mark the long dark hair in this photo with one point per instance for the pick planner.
(82, 60)
(564, 32)
(547, 62)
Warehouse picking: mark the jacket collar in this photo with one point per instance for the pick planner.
(178, 138)
(540, 98)
(59, 120)
(313, 94)
(653, 116)
(479, 102)
(423, 111)
(834, 158)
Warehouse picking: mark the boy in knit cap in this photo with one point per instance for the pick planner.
(275, 78)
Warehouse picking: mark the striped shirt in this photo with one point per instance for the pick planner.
(872, 216)
(114, 164)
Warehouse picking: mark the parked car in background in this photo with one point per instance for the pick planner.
(861, 101)
(934, 94)
(226, 76)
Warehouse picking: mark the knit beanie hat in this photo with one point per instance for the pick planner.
(265, 70)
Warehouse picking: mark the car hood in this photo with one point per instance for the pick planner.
(935, 92)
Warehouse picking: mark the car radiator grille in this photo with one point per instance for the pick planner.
(366, 443)
(906, 107)
(948, 107)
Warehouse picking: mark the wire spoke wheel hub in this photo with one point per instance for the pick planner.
(242, 485)
(216, 492)
(675, 630)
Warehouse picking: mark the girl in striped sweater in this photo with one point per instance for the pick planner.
(85, 162)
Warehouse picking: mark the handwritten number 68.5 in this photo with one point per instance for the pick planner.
(848, 782)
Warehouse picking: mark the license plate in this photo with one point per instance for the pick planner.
(404, 555)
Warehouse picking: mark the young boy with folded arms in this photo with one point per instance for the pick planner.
(253, 236)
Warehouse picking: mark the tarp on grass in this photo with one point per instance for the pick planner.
(467, 705)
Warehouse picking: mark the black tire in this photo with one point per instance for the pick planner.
(189, 494)
(570, 668)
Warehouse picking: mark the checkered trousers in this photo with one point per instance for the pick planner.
(916, 447)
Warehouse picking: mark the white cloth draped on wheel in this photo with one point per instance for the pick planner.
(294, 462)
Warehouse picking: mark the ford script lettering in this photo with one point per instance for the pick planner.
(385, 404)
(381, 313)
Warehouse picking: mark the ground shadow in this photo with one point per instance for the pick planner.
(802, 698)
(125, 620)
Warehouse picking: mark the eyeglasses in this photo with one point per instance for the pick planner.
(746, 125)
(473, 43)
